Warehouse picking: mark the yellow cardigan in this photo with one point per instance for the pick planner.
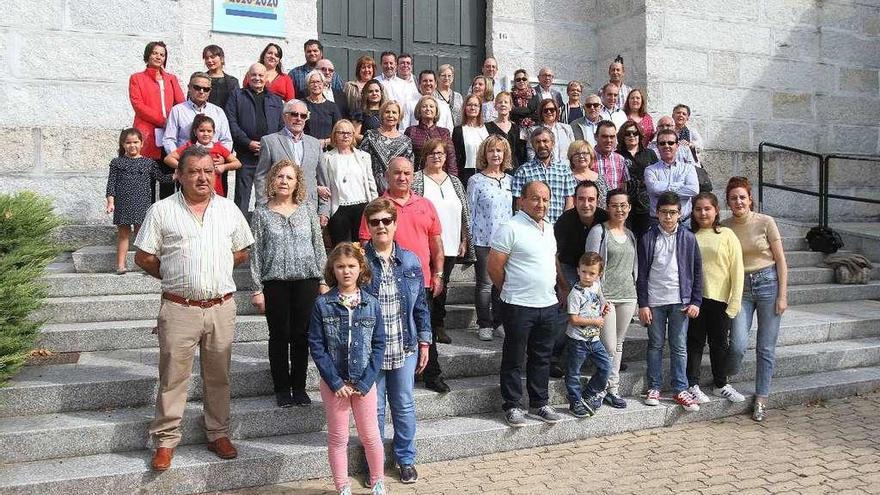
(722, 267)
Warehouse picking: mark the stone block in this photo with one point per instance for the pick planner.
(728, 135)
(853, 139)
(849, 173)
(720, 165)
(762, 72)
(804, 136)
(712, 9)
(793, 12)
(74, 149)
(847, 110)
(846, 48)
(793, 106)
(702, 34)
(607, 9)
(75, 56)
(72, 104)
(724, 68)
(18, 149)
(654, 26)
(844, 16)
(677, 65)
(797, 44)
(138, 17)
(859, 81)
(77, 197)
(48, 14)
(871, 25)
(714, 101)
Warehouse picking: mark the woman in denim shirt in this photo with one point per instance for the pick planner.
(399, 285)
(347, 340)
(764, 289)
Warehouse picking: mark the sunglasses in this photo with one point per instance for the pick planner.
(549, 110)
(631, 133)
(521, 79)
(201, 89)
(665, 143)
(386, 221)
(303, 116)
(592, 105)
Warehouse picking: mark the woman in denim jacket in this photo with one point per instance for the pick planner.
(347, 340)
(398, 284)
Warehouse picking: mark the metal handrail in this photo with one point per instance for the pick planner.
(822, 193)
(843, 156)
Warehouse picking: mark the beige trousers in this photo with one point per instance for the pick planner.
(182, 329)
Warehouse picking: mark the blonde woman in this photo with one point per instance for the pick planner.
(583, 166)
(348, 173)
(490, 200)
(385, 143)
(446, 95)
(287, 262)
(484, 87)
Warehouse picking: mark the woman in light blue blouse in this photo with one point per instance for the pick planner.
(490, 200)
(287, 266)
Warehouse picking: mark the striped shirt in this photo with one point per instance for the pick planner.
(195, 256)
(614, 167)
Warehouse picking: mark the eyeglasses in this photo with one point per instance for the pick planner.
(582, 155)
(592, 105)
(521, 79)
(549, 110)
(327, 69)
(303, 116)
(437, 153)
(618, 206)
(667, 213)
(345, 133)
(201, 89)
(665, 143)
(631, 133)
(386, 221)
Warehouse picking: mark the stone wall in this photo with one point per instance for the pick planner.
(64, 67)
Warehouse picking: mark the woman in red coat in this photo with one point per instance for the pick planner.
(152, 93)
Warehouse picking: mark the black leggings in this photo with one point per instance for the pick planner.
(289, 306)
(345, 223)
(714, 324)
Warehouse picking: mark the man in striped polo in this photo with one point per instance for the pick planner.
(191, 241)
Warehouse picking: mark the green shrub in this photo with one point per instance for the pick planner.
(26, 223)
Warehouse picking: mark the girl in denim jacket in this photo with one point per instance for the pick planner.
(347, 341)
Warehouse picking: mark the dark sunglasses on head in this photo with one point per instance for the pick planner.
(386, 221)
(297, 114)
(203, 89)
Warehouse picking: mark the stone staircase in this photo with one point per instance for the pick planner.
(82, 428)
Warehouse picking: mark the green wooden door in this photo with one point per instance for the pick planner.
(435, 32)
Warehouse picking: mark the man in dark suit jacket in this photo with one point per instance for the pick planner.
(253, 113)
(291, 143)
(543, 90)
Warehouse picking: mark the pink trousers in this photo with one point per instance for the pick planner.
(337, 412)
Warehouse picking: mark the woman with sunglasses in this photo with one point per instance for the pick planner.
(447, 194)
(630, 144)
(524, 104)
(765, 288)
(467, 137)
(635, 109)
(562, 132)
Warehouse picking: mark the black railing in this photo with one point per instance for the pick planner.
(823, 169)
(823, 202)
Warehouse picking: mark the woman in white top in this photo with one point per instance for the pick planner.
(484, 87)
(348, 172)
(447, 194)
(563, 133)
(446, 95)
(467, 137)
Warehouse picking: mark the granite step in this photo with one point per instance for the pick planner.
(115, 379)
(275, 459)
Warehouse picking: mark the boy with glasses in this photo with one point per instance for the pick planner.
(669, 291)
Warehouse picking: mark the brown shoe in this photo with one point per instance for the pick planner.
(223, 448)
(162, 458)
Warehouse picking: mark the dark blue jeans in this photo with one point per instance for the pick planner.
(578, 352)
(529, 335)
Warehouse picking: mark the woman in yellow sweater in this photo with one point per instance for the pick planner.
(722, 294)
(765, 288)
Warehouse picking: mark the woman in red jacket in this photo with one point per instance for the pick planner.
(152, 93)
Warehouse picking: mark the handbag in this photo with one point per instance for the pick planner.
(824, 240)
(702, 174)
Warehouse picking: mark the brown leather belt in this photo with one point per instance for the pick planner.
(201, 303)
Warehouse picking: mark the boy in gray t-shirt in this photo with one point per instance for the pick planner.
(586, 309)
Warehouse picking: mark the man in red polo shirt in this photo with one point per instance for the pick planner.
(418, 230)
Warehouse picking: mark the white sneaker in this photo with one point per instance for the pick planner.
(653, 398)
(485, 334)
(699, 396)
(499, 331)
(729, 393)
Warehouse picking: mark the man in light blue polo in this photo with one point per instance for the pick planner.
(522, 264)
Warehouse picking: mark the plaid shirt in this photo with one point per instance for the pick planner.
(558, 178)
(615, 169)
(389, 301)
